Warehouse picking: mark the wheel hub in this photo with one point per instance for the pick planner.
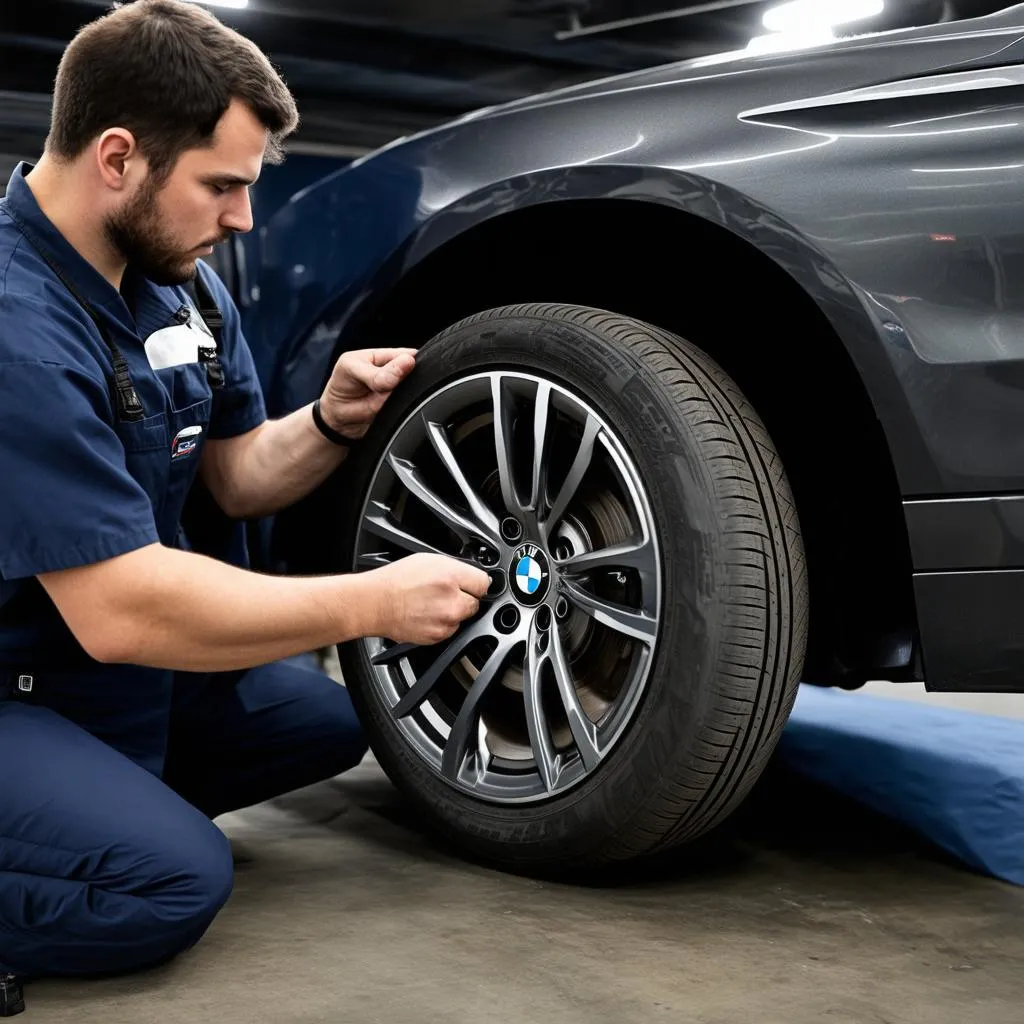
(531, 575)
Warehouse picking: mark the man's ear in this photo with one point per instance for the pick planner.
(118, 159)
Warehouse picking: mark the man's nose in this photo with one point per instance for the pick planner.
(238, 216)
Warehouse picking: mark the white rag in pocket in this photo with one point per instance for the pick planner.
(172, 346)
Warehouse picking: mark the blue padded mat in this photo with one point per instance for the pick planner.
(957, 777)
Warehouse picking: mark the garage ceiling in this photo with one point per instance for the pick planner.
(366, 71)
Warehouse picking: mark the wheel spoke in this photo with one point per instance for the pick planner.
(483, 750)
(420, 690)
(503, 444)
(538, 477)
(462, 527)
(631, 555)
(374, 560)
(396, 652)
(467, 718)
(637, 625)
(575, 476)
(584, 732)
(380, 524)
(485, 517)
(536, 720)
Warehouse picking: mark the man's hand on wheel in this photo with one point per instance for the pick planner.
(425, 598)
(360, 384)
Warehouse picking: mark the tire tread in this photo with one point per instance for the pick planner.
(732, 436)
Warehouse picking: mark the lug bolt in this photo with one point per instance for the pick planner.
(486, 555)
(561, 609)
(508, 619)
(511, 529)
(543, 618)
(497, 586)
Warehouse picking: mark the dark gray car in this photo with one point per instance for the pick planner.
(721, 378)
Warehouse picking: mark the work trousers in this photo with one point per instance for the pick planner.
(106, 868)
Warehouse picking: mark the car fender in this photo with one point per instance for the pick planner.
(358, 289)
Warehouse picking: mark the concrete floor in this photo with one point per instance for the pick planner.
(813, 911)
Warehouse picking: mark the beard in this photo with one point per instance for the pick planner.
(146, 244)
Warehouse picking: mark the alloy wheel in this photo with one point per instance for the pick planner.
(522, 477)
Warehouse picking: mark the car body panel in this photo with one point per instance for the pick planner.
(882, 173)
(970, 630)
(966, 534)
(905, 232)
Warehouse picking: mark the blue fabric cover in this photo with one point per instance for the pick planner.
(955, 776)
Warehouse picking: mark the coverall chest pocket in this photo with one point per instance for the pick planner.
(146, 445)
(186, 386)
(188, 421)
(162, 451)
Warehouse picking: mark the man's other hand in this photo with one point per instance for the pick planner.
(360, 384)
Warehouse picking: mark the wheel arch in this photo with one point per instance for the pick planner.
(563, 244)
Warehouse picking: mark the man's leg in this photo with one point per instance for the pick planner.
(240, 739)
(102, 867)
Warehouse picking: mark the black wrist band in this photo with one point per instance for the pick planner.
(330, 433)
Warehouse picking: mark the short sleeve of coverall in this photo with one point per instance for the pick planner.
(239, 406)
(66, 496)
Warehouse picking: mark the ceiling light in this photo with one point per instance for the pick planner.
(802, 16)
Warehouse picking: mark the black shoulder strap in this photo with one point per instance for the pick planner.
(126, 398)
(204, 301)
(207, 306)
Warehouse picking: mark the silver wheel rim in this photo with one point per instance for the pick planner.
(520, 476)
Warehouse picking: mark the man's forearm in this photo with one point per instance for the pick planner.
(281, 463)
(165, 608)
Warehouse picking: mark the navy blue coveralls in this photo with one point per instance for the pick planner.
(110, 774)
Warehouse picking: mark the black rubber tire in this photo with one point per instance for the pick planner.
(734, 613)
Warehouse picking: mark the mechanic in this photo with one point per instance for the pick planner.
(145, 683)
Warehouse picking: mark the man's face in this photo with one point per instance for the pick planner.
(163, 230)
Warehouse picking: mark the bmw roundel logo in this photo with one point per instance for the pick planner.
(528, 575)
(529, 571)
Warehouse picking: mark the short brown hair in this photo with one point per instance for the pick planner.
(166, 71)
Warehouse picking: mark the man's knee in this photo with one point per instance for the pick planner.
(150, 894)
(189, 881)
(208, 871)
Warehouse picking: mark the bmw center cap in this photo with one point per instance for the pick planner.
(529, 572)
